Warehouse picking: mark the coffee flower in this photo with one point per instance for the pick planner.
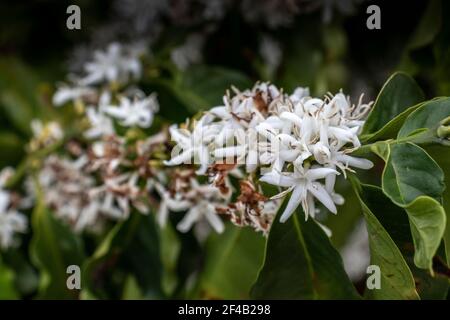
(201, 201)
(297, 141)
(193, 144)
(302, 182)
(137, 112)
(117, 64)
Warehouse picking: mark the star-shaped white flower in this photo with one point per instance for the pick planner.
(139, 112)
(192, 145)
(64, 94)
(302, 182)
(116, 64)
(101, 124)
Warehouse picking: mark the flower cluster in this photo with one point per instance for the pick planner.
(103, 174)
(298, 142)
(111, 166)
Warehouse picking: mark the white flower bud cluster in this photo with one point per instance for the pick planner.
(297, 141)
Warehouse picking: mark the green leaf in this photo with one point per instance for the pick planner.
(210, 83)
(422, 124)
(7, 283)
(344, 223)
(397, 281)
(19, 100)
(441, 155)
(142, 257)
(231, 265)
(414, 181)
(398, 93)
(287, 271)
(170, 248)
(12, 148)
(409, 173)
(98, 269)
(391, 128)
(381, 149)
(53, 248)
(202, 87)
(131, 290)
(395, 221)
(26, 277)
(427, 218)
(301, 263)
(17, 110)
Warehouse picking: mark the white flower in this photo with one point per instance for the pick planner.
(302, 182)
(116, 64)
(356, 253)
(174, 204)
(139, 112)
(11, 221)
(300, 94)
(101, 124)
(117, 194)
(50, 131)
(66, 93)
(5, 175)
(204, 208)
(192, 144)
(200, 202)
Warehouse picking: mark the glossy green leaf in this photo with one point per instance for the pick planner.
(422, 124)
(397, 281)
(395, 221)
(391, 128)
(381, 149)
(398, 94)
(287, 272)
(301, 263)
(410, 172)
(231, 263)
(414, 181)
(427, 218)
(441, 155)
(54, 247)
